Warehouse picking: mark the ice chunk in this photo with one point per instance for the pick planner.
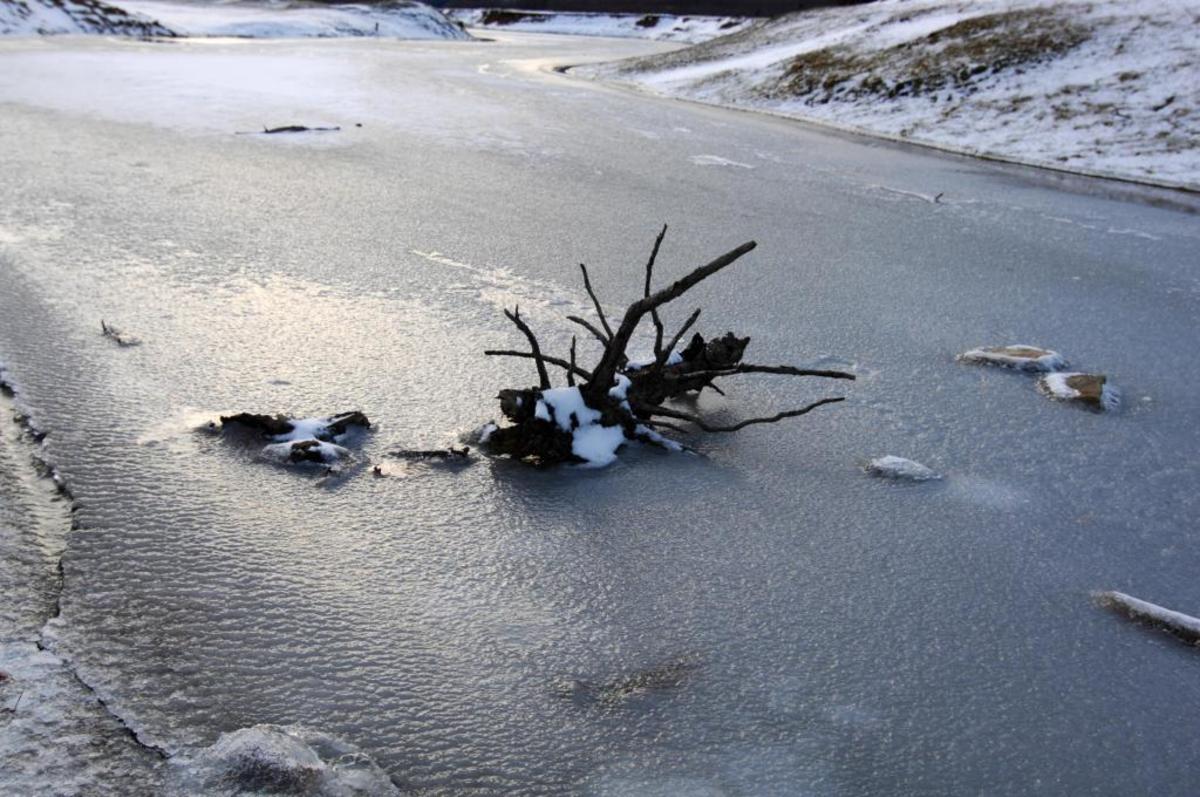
(892, 467)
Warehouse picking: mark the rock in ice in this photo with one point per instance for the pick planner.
(1018, 356)
(1091, 390)
(891, 467)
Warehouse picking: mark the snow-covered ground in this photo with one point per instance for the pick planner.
(660, 27)
(281, 19)
(396, 19)
(1110, 87)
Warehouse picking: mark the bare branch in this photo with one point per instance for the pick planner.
(699, 422)
(662, 425)
(555, 361)
(597, 334)
(787, 370)
(587, 283)
(658, 325)
(661, 356)
(571, 370)
(543, 376)
(613, 353)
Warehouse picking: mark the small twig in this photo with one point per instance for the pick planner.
(700, 422)
(543, 375)
(589, 327)
(658, 325)
(587, 284)
(661, 357)
(571, 370)
(563, 364)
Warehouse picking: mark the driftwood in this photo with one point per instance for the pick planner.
(267, 131)
(618, 393)
(1182, 626)
(445, 454)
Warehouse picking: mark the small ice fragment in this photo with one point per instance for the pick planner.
(1091, 390)
(1018, 356)
(891, 467)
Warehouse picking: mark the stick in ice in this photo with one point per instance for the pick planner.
(1181, 625)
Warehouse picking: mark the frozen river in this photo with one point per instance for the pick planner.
(806, 629)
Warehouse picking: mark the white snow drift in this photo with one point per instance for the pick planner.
(1109, 86)
(659, 27)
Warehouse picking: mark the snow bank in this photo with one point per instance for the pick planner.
(47, 17)
(1109, 87)
(395, 19)
(892, 467)
(659, 27)
(271, 759)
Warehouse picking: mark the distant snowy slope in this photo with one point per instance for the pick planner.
(1109, 86)
(660, 27)
(43, 17)
(396, 19)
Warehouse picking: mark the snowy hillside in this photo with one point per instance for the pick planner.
(396, 19)
(1111, 86)
(659, 27)
(41, 17)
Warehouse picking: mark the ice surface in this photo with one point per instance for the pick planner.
(426, 620)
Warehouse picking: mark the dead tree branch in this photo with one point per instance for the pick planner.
(543, 376)
(587, 284)
(615, 402)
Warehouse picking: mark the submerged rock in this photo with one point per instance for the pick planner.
(1091, 390)
(269, 759)
(1017, 356)
(621, 688)
(890, 467)
(316, 451)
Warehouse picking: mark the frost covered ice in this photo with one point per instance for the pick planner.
(271, 759)
(893, 467)
(1107, 87)
(1019, 356)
